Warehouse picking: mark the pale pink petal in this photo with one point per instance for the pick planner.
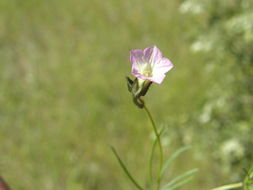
(157, 78)
(147, 52)
(152, 54)
(163, 66)
(153, 57)
(134, 68)
(136, 57)
(138, 75)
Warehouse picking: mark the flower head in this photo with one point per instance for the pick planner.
(149, 64)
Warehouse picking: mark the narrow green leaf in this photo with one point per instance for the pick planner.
(172, 158)
(248, 180)
(179, 184)
(178, 178)
(126, 170)
(228, 187)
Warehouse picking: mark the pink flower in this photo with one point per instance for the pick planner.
(149, 64)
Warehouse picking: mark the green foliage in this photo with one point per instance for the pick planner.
(180, 180)
(173, 184)
(171, 159)
(126, 170)
(248, 180)
(246, 184)
(225, 38)
(63, 96)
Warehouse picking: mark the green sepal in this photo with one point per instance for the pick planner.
(138, 102)
(129, 84)
(145, 88)
(137, 90)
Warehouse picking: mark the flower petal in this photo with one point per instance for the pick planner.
(136, 57)
(157, 78)
(163, 66)
(149, 64)
(139, 76)
(152, 54)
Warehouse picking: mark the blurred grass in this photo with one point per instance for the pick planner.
(63, 95)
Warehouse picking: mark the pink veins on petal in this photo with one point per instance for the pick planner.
(149, 64)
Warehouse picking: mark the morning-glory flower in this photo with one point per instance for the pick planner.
(149, 64)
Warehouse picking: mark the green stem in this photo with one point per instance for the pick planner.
(230, 186)
(151, 158)
(151, 161)
(159, 144)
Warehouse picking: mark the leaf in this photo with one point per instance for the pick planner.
(173, 183)
(126, 170)
(172, 158)
(179, 184)
(248, 180)
(230, 186)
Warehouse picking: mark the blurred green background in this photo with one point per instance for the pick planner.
(63, 95)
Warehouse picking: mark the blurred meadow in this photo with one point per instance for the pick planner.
(64, 99)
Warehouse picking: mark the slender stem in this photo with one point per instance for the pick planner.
(151, 158)
(230, 186)
(151, 161)
(159, 144)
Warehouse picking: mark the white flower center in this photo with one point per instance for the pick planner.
(146, 69)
